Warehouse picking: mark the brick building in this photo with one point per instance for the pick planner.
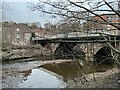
(99, 24)
(16, 34)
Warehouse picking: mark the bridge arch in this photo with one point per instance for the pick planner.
(96, 51)
(68, 51)
(104, 55)
(90, 49)
(75, 50)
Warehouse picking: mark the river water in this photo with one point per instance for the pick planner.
(41, 79)
(34, 75)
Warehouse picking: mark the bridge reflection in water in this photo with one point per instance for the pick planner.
(71, 70)
(58, 75)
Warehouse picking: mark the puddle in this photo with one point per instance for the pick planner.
(41, 79)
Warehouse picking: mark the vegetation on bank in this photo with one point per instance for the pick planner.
(24, 52)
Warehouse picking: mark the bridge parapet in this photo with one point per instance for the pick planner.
(73, 35)
(62, 36)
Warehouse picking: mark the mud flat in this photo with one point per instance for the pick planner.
(14, 74)
(108, 79)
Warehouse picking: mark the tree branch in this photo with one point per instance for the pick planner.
(111, 8)
(94, 14)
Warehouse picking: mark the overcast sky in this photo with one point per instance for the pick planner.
(19, 12)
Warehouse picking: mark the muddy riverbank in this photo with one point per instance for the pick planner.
(108, 79)
(104, 76)
(14, 74)
(22, 75)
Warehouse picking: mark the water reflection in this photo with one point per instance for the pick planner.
(71, 70)
(67, 70)
(41, 79)
(19, 75)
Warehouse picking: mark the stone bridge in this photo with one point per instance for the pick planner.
(85, 46)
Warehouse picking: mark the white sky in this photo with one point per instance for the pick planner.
(20, 0)
(17, 10)
(37, 0)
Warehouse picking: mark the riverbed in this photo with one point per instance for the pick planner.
(47, 74)
(27, 75)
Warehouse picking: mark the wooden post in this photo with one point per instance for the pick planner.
(37, 42)
(110, 39)
(115, 41)
(119, 50)
(92, 51)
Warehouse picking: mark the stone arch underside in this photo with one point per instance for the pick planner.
(104, 55)
(97, 51)
(91, 48)
(68, 51)
(75, 50)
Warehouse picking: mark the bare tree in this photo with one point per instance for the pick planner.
(82, 10)
(78, 10)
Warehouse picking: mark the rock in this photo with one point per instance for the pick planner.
(3, 81)
(25, 79)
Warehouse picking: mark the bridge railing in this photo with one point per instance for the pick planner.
(109, 32)
(77, 34)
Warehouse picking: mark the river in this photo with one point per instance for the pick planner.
(33, 74)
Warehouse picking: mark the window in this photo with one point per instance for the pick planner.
(110, 19)
(17, 29)
(17, 33)
(18, 36)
